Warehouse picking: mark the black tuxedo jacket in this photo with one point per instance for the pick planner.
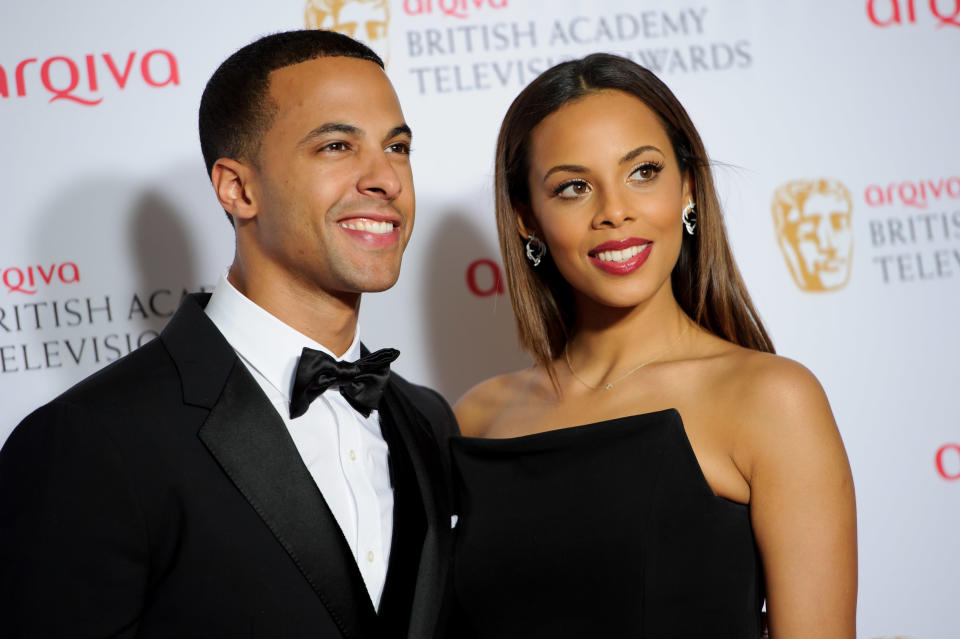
(164, 497)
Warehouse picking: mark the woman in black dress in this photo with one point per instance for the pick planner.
(658, 472)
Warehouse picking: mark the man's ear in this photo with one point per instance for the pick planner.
(233, 183)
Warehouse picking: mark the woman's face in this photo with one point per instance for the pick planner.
(606, 195)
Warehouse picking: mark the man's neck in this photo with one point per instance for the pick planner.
(328, 319)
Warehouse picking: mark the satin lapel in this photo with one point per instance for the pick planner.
(432, 571)
(252, 445)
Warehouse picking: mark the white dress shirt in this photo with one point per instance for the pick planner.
(344, 451)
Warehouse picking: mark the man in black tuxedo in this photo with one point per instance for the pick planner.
(240, 476)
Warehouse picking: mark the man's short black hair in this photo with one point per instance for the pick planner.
(236, 109)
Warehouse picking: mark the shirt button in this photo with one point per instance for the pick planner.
(353, 455)
(370, 555)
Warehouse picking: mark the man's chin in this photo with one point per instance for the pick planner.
(372, 283)
(379, 288)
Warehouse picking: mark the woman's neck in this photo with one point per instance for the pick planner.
(608, 340)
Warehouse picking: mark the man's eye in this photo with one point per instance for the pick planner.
(399, 147)
(334, 146)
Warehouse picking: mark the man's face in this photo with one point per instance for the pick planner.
(821, 235)
(332, 181)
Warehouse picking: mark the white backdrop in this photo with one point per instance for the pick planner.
(107, 215)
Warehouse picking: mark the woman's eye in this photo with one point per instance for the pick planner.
(572, 189)
(646, 172)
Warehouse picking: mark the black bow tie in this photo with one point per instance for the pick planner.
(361, 382)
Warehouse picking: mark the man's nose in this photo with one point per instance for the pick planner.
(380, 178)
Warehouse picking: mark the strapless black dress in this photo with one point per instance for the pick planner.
(602, 530)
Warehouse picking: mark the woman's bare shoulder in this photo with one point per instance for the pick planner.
(485, 402)
(768, 382)
(777, 405)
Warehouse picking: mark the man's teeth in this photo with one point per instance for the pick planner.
(620, 256)
(368, 226)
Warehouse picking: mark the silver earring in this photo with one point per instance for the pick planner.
(536, 249)
(689, 217)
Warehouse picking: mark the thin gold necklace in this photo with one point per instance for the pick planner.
(609, 385)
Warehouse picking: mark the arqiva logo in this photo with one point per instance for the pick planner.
(63, 77)
(914, 193)
(888, 13)
(455, 8)
(27, 280)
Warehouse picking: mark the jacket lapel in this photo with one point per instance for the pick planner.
(419, 442)
(253, 447)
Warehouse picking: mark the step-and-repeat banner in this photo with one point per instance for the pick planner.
(834, 129)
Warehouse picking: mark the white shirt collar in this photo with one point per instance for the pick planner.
(266, 343)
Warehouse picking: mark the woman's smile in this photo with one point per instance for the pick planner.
(620, 257)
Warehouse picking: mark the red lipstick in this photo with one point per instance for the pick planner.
(624, 267)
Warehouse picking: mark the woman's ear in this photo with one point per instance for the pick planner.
(526, 223)
(687, 191)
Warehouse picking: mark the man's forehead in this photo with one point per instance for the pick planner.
(328, 70)
(332, 82)
(333, 92)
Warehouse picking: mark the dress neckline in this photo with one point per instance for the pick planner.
(565, 432)
(559, 438)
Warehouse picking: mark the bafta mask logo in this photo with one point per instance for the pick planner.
(363, 20)
(812, 219)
